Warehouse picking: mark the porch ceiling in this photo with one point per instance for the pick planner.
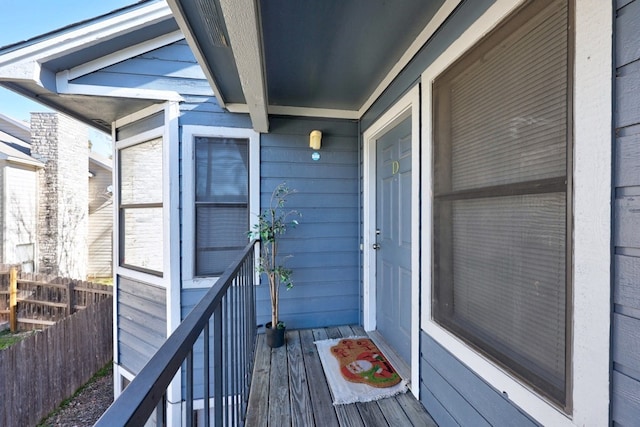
(322, 56)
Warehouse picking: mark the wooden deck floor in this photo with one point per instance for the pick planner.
(289, 389)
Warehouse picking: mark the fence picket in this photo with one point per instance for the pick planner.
(43, 300)
(52, 364)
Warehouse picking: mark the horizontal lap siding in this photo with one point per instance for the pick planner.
(325, 245)
(625, 400)
(142, 322)
(100, 223)
(172, 67)
(454, 395)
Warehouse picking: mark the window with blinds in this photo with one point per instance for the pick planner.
(502, 191)
(222, 198)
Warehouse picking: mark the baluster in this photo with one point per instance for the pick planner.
(205, 374)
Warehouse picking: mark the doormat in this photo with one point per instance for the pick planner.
(357, 371)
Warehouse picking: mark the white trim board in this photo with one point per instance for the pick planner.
(592, 221)
(299, 111)
(63, 87)
(407, 106)
(86, 35)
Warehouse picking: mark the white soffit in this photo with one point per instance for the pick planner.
(245, 33)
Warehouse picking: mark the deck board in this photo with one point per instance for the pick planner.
(318, 389)
(279, 405)
(289, 389)
(301, 411)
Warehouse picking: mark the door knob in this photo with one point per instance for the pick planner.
(376, 246)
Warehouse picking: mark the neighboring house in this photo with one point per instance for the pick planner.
(462, 203)
(100, 233)
(55, 218)
(18, 195)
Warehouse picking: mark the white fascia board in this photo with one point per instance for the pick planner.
(314, 112)
(187, 32)
(85, 36)
(438, 19)
(124, 54)
(14, 155)
(5, 137)
(29, 71)
(24, 126)
(245, 33)
(66, 88)
(22, 161)
(300, 111)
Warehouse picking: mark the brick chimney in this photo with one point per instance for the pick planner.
(61, 143)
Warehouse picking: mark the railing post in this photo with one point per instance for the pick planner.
(13, 299)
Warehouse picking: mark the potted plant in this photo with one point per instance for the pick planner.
(272, 224)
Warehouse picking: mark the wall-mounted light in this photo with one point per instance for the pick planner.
(315, 139)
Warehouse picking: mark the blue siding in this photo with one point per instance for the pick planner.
(325, 245)
(625, 341)
(205, 111)
(142, 322)
(455, 395)
(172, 67)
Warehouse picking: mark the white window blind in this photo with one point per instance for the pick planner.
(222, 197)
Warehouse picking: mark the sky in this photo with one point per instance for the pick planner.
(23, 19)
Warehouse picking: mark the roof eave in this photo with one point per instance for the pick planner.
(242, 21)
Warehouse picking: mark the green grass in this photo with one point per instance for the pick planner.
(7, 339)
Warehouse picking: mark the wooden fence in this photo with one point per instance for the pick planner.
(38, 373)
(42, 300)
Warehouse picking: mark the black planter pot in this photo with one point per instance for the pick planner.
(275, 337)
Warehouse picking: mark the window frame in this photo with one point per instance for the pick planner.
(444, 285)
(167, 129)
(189, 135)
(591, 203)
(134, 141)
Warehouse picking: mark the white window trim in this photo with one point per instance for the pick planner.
(189, 133)
(165, 132)
(591, 211)
(171, 228)
(121, 269)
(407, 106)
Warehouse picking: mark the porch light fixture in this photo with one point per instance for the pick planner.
(315, 139)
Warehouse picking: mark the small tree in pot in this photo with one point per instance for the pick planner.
(272, 224)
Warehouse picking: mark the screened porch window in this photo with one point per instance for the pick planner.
(141, 243)
(221, 202)
(502, 211)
